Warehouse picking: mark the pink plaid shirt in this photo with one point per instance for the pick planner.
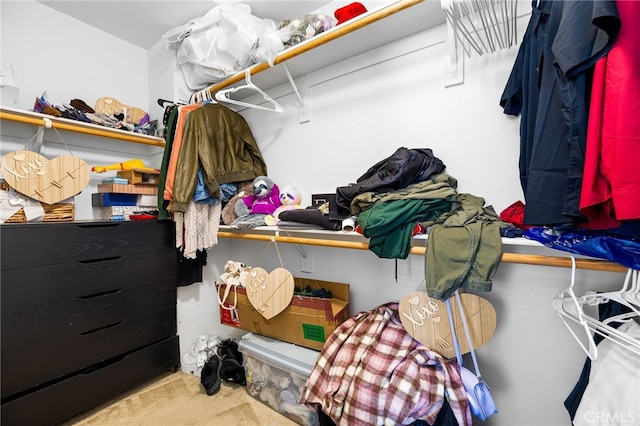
(372, 372)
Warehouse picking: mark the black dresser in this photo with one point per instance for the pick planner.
(88, 312)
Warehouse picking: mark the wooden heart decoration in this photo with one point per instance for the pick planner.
(270, 293)
(426, 320)
(48, 181)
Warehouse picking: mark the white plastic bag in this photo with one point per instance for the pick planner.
(222, 42)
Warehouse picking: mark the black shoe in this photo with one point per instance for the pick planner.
(229, 349)
(231, 371)
(210, 375)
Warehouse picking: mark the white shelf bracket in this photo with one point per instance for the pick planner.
(454, 59)
(302, 251)
(303, 97)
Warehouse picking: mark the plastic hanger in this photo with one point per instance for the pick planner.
(223, 95)
(570, 307)
(486, 25)
(621, 296)
(576, 315)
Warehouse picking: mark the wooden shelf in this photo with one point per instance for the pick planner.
(353, 240)
(368, 31)
(37, 119)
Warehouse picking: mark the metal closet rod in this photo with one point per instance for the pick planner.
(526, 259)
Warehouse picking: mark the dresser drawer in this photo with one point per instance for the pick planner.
(43, 285)
(87, 389)
(27, 328)
(39, 365)
(29, 245)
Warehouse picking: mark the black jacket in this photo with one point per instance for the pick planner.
(402, 168)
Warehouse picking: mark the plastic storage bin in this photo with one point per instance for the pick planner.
(276, 373)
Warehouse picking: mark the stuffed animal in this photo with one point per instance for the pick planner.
(263, 200)
(290, 199)
(228, 211)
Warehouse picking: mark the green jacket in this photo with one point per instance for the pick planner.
(220, 141)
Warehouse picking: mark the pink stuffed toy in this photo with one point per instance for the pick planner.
(290, 198)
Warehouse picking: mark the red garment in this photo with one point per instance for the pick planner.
(514, 214)
(611, 181)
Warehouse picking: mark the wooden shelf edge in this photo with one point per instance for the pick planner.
(526, 259)
(37, 119)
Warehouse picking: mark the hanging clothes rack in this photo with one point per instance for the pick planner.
(526, 259)
(570, 308)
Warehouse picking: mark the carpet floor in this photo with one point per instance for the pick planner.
(178, 399)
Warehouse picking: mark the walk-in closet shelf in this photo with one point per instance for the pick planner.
(37, 119)
(356, 241)
(88, 312)
(368, 31)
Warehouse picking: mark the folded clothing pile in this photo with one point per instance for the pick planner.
(108, 112)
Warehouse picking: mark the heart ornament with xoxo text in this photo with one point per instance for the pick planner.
(48, 181)
(426, 320)
(270, 293)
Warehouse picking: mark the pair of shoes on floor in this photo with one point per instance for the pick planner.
(225, 364)
(231, 368)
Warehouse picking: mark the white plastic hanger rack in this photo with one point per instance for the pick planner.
(482, 25)
(571, 307)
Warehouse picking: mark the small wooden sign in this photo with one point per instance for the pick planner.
(270, 293)
(48, 181)
(426, 320)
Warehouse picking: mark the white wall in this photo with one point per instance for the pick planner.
(361, 111)
(69, 59)
(51, 52)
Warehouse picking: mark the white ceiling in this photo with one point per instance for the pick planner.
(142, 22)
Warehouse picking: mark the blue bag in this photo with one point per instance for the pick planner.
(480, 399)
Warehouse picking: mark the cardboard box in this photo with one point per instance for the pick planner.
(141, 176)
(276, 374)
(307, 321)
(128, 189)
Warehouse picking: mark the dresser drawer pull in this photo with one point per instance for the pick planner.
(104, 259)
(104, 293)
(104, 327)
(97, 225)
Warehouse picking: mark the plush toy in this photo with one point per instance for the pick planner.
(263, 200)
(290, 199)
(228, 211)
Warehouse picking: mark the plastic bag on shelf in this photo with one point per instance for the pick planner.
(304, 29)
(227, 39)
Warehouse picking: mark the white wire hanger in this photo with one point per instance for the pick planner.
(224, 95)
(485, 25)
(571, 307)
